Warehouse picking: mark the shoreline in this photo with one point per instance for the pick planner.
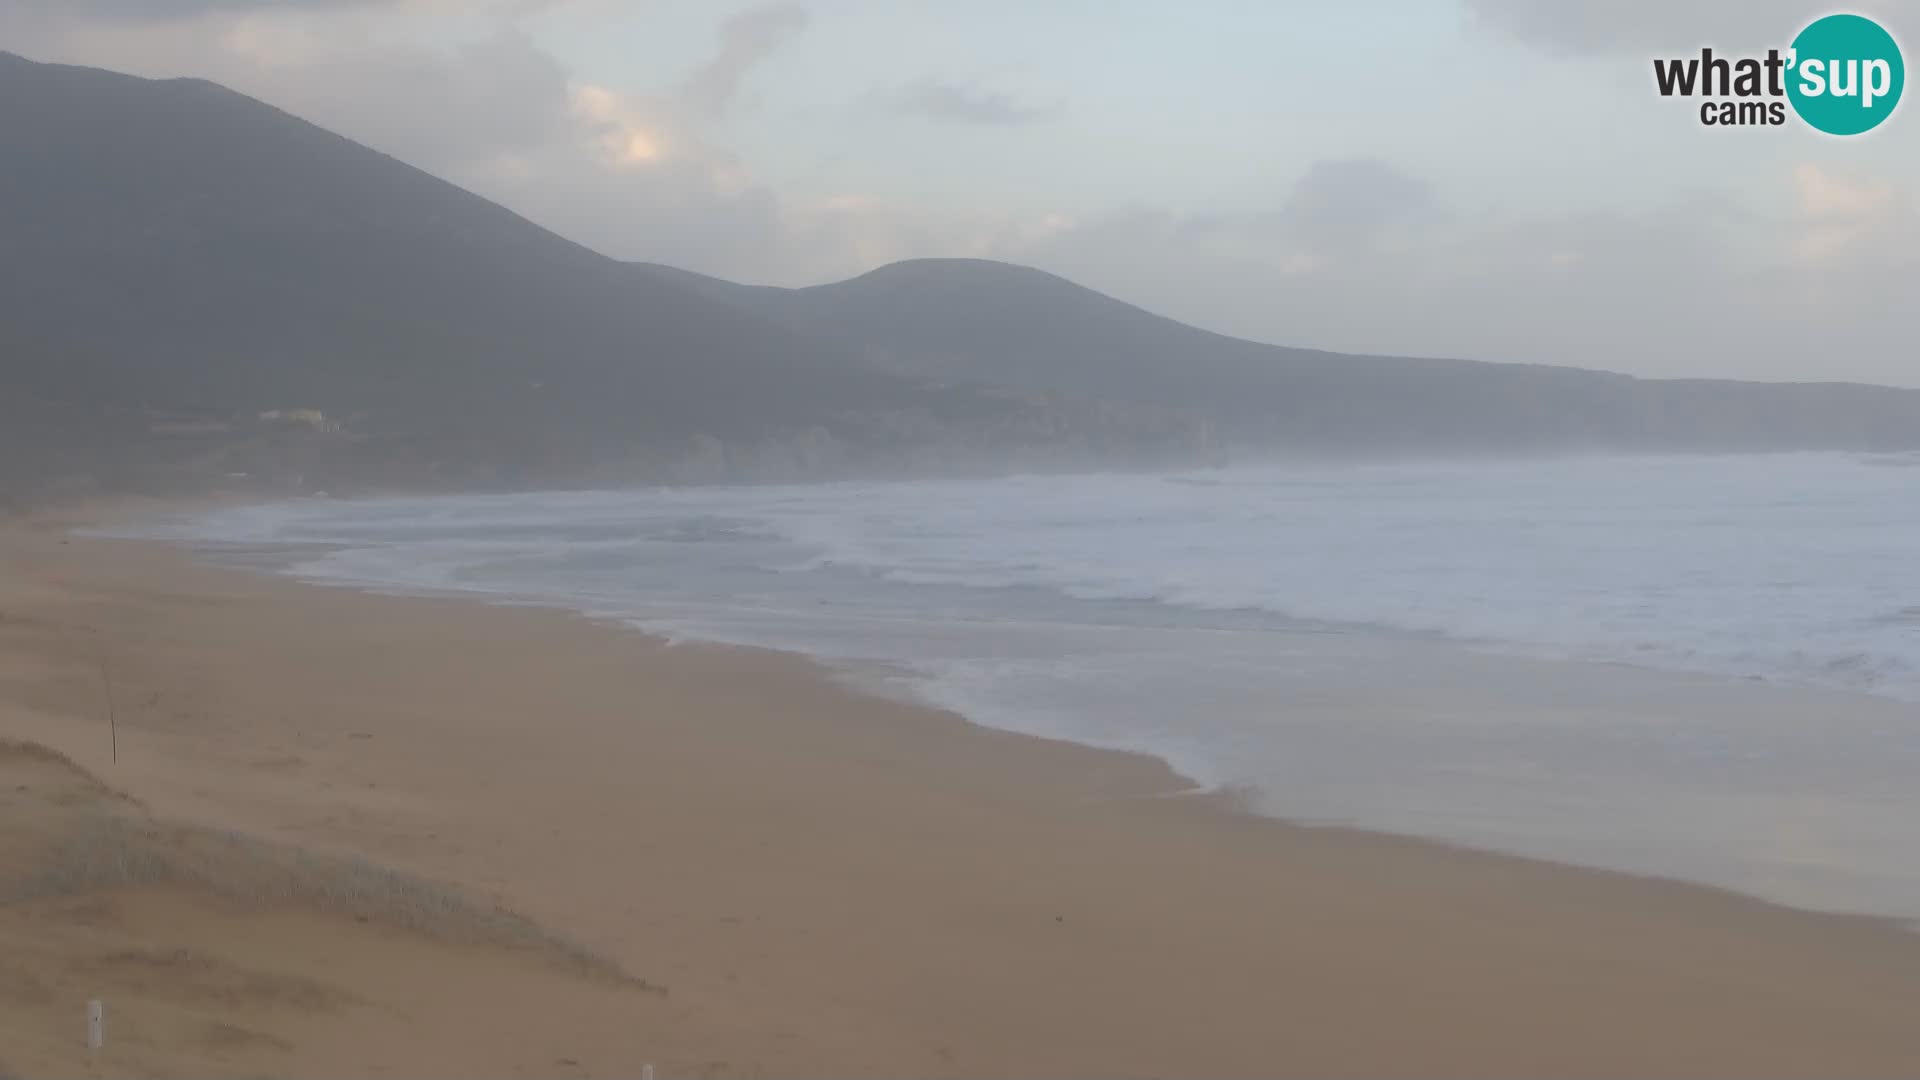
(836, 883)
(1522, 686)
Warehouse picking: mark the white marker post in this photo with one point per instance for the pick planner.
(646, 1072)
(96, 1025)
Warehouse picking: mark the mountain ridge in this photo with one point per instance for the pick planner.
(198, 286)
(182, 255)
(1011, 325)
(722, 287)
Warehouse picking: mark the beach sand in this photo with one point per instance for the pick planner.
(727, 864)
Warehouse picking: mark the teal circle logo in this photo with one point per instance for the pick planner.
(1846, 75)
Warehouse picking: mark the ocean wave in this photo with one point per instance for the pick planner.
(1778, 568)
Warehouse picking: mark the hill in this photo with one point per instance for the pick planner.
(1019, 327)
(180, 260)
(199, 289)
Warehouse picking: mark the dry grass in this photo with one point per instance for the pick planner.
(17, 750)
(109, 852)
(17, 754)
(108, 844)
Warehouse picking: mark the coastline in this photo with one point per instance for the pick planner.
(834, 883)
(1669, 765)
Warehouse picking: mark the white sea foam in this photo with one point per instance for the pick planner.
(1298, 630)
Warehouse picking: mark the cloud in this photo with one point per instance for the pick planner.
(1825, 194)
(158, 11)
(632, 175)
(745, 39)
(1588, 27)
(960, 104)
(1356, 253)
(1340, 212)
(1862, 229)
(441, 108)
(1343, 205)
(1700, 285)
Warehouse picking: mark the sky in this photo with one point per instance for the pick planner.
(1492, 179)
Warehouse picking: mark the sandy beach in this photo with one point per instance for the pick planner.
(380, 835)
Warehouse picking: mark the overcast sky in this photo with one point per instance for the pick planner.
(1483, 178)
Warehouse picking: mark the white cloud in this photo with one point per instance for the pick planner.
(960, 103)
(1825, 194)
(1575, 27)
(1855, 244)
(634, 176)
(745, 39)
(1700, 286)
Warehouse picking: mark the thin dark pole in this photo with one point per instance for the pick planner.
(106, 680)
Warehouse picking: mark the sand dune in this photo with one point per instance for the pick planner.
(222, 955)
(822, 884)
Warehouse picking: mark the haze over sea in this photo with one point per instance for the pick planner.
(1697, 667)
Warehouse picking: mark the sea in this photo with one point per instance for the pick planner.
(1696, 667)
